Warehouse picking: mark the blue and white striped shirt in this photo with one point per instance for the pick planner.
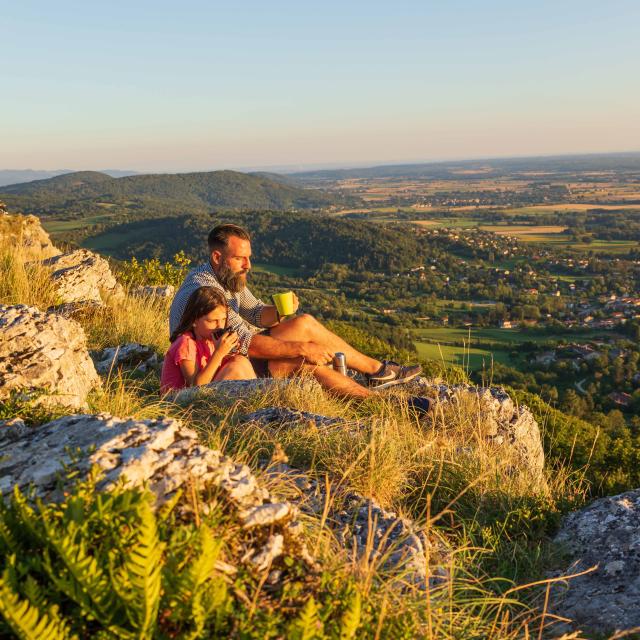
(245, 310)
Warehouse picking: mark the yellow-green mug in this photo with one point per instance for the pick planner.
(284, 303)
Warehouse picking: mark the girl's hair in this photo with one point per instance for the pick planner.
(200, 302)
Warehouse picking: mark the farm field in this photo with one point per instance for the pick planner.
(505, 339)
(59, 226)
(468, 358)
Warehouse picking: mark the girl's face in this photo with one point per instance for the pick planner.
(215, 319)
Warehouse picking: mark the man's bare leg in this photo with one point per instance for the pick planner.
(305, 328)
(328, 378)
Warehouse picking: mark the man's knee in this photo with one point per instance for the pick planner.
(306, 324)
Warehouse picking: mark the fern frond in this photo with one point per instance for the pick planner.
(81, 579)
(34, 593)
(8, 541)
(27, 621)
(308, 625)
(27, 519)
(143, 572)
(351, 617)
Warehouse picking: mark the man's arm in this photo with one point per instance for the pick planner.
(268, 348)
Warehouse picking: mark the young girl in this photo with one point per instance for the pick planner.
(200, 352)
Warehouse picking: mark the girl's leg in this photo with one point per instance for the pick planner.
(329, 378)
(238, 368)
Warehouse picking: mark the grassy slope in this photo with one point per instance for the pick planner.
(441, 473)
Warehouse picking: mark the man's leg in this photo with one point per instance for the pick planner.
(237, 368)
(305, 328)
(328, 378)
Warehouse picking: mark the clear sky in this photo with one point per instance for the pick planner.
(202, 84)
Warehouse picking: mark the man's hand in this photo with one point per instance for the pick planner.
(315, 353)
(296, 303)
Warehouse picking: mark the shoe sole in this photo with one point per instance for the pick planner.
(392, 383)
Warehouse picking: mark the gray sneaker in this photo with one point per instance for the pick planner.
(392, 373)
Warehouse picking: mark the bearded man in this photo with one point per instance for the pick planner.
(281, 347)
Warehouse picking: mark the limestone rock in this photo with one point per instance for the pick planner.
(290, 417)
(40, 351)
(231, 390)
(26, 231)
(266, 514)
(506, 424)
(605, 534)
(163, 455)
(363, 528)
(11, 430)
(81, 275)
(131, 356)
(157, 291)
(78, 310)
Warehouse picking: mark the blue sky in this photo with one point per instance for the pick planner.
(167, 86)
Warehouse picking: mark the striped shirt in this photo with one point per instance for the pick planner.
(245, 310)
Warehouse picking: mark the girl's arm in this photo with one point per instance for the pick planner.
(195, 378)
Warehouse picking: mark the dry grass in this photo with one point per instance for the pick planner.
(129, 319)
(23, 281)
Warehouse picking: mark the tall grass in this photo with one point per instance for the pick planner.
(129, 318)
(24, 282)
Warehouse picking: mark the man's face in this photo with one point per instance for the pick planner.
(232, 264)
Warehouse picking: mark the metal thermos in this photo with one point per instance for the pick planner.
(340, 363)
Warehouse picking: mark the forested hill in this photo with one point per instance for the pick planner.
(301, 240)
(149, 195)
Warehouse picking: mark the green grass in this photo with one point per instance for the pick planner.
(471, 358)
(60, 226)
(110, 242)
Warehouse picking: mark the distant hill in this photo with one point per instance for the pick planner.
(487, 168)
(14, 176)
(204, 191)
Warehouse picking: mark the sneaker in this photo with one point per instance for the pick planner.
(392, 373)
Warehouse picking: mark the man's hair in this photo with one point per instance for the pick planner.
(219, 236)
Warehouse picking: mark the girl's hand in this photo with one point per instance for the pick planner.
(227, 343)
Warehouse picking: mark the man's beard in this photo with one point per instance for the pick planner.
(233, 282)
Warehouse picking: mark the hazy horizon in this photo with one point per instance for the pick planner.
(154, 88)
(286, 169)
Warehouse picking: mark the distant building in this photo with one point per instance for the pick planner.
(620, 398)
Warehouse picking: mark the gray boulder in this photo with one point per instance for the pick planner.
(605, 535)
(164, 456)
(81, 275)
(505, 425)
(131, 356)
(44, 352)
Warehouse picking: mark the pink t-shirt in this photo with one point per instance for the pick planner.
(185, 347)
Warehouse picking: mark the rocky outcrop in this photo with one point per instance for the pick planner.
(81, 275)
(367, 531)
(163, 455)
(605, 535)
(166, 457)
(504, 424)
(44, 352)
(511, 430)
(131, 356)
(26, 232)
